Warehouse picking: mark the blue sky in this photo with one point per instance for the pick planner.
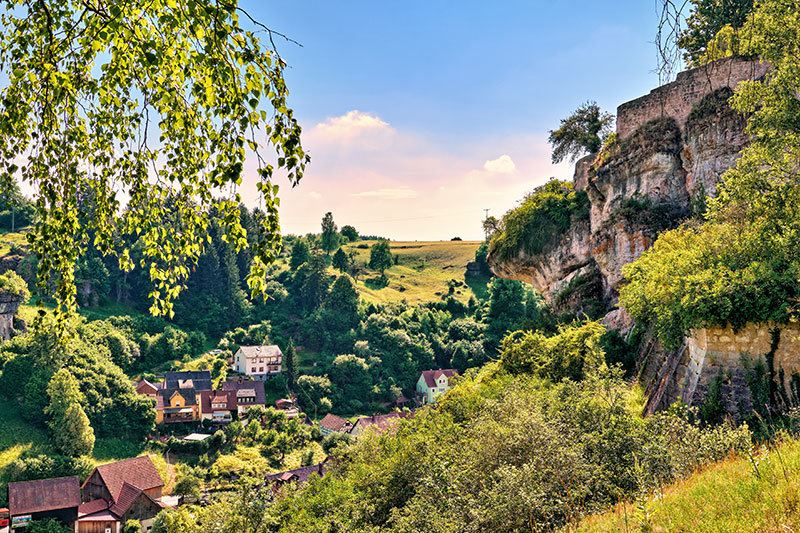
(419, 115)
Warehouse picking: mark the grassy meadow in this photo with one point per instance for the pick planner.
(422, 272)
(743, 494)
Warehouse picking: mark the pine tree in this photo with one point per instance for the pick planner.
(290, 363)
(340, 261)
(330, 234)
(300, 254)
(315, 286)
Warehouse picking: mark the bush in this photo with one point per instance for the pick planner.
(544, 215)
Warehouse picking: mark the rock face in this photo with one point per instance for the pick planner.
(673, 145)
(9, 304)
(717, 353)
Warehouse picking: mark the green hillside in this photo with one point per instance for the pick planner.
(422, 272)
(755, 493)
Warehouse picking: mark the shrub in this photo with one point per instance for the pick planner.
(543, 216)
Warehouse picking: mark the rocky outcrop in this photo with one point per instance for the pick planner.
(9, 304)
(672, 147)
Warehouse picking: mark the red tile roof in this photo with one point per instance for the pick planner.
(127, 495)
(139, 472)
(26, 497)
(300, 475)
(242, 385)
(145, 387)
(432, 375)
(208, 398)
(381, 423)
(335, 423)
(92, 507)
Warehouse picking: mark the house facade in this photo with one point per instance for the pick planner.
(248, 393)
(57, 498)
(433, 383)
(258, 362)
(177, 405)
(117, 492)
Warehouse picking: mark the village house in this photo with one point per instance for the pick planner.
(334, 424)
(288, 406)
(299, 476)
(145, 388)
(379, 423)
(218, 406)
(57, 498)
(258, 362)
(248, 393)
(433, 383)
(177, 405)
(178, 396)
(117, 492)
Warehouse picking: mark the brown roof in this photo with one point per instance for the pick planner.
(208, 398)
(145, 387)
(301, 475)
(244, 388)
(26, 497)
(139, 472)
(92, 507)
(127, 495)
(261, 351)
(335, 423)
(432, 375)
(381, 423)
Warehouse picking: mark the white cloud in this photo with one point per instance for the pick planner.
(314, 195)
(351, 124)
(502, 165)
(389, 193)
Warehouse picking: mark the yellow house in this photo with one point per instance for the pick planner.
(177, 405)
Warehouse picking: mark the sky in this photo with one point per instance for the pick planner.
(419, 115)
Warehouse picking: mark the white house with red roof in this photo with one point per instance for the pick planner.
(433, 383)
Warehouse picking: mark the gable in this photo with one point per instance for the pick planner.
(139, 472)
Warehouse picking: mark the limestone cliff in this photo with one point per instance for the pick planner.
(9, 304)
(672, 147)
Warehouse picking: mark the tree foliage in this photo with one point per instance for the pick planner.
(330, 235)
(350, 233)
(743, 264)
(584, 131)
(87, 86)
(73, 435)
(340, 261)
(541, 218)
(706, 19)
(380, 256)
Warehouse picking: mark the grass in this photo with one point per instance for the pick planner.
(8, 239)
(19, 437)
(757, 493)
(422, 273)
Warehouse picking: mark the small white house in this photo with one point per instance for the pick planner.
(433, 383)
(258, 362)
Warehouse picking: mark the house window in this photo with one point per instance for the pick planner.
(253, 370)
(261, 370)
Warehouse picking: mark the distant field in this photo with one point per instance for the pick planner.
(423, 271)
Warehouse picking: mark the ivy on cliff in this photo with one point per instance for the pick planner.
(544, 215)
